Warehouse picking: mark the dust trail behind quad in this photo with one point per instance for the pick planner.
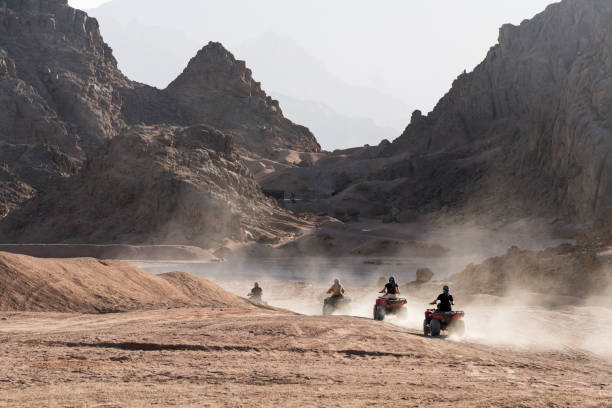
(515, 320)
(507, 322)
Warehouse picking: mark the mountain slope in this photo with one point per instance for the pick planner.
(528, 132)
(79, 164)
(216, 88)
(58, 83)
(156, 185)
(542, 97)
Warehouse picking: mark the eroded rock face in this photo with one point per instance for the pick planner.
(219, 90)
(539, 106)
(528, 132)
(155, 184)
(57, 81)
(75, 145)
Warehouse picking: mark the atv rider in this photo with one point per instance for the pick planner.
(255, 293)
(337, 290)
(391, 289)
(446, 300)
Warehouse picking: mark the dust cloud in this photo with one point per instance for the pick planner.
(515, 318)
(514, 321)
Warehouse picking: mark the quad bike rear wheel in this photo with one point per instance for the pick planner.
(458, 328)
(435, 327)
(379, 312)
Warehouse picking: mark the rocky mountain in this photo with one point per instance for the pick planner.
(156, 184)
(219, 90)
(81, 145)
(528, 132)
(58, 92)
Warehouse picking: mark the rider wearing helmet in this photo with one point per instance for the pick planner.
(337, 290)
(391, 289)
(255, 293)
(446, 300)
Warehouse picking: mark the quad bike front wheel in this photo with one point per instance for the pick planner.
(328, 308)
(425, 328)
(379, 312)
(434, 327)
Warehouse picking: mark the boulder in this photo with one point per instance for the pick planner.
(424, 275)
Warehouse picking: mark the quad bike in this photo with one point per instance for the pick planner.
(255, 298)
(336, 304)
(385, 306)
(437, 321)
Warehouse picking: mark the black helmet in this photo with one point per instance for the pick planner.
(391, 279)
(256, 284)
(445, 288)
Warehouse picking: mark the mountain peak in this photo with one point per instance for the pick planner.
(214, 67)
(218, 89)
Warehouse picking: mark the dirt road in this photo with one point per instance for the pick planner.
(208, 357)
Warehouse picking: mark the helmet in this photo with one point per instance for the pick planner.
(336, 282)
(256, 284)
(391, 279)
(445, 288)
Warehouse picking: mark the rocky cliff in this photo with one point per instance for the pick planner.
(160, 184)
(88, 155)
(540, 105)
(528, 132)
(58, 84)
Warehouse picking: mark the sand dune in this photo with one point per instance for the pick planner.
(88, 285)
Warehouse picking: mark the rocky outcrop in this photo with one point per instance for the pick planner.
(579, 270)
(568, 270)
(217, 89)
(57, 93)
(156, 185)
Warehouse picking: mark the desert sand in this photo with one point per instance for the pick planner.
(227, 351)
(227, 357)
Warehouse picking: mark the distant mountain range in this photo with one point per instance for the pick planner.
(152, 52)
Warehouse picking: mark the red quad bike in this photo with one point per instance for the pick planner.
(385, 306)
(436, 321)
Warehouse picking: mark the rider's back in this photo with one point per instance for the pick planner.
(446, 300)
(391, 288)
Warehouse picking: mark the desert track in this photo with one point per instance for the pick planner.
(207, 357)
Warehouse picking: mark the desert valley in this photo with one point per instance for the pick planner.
(134, 221)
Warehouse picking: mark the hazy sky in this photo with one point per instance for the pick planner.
(410, 50)
(81, 4)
